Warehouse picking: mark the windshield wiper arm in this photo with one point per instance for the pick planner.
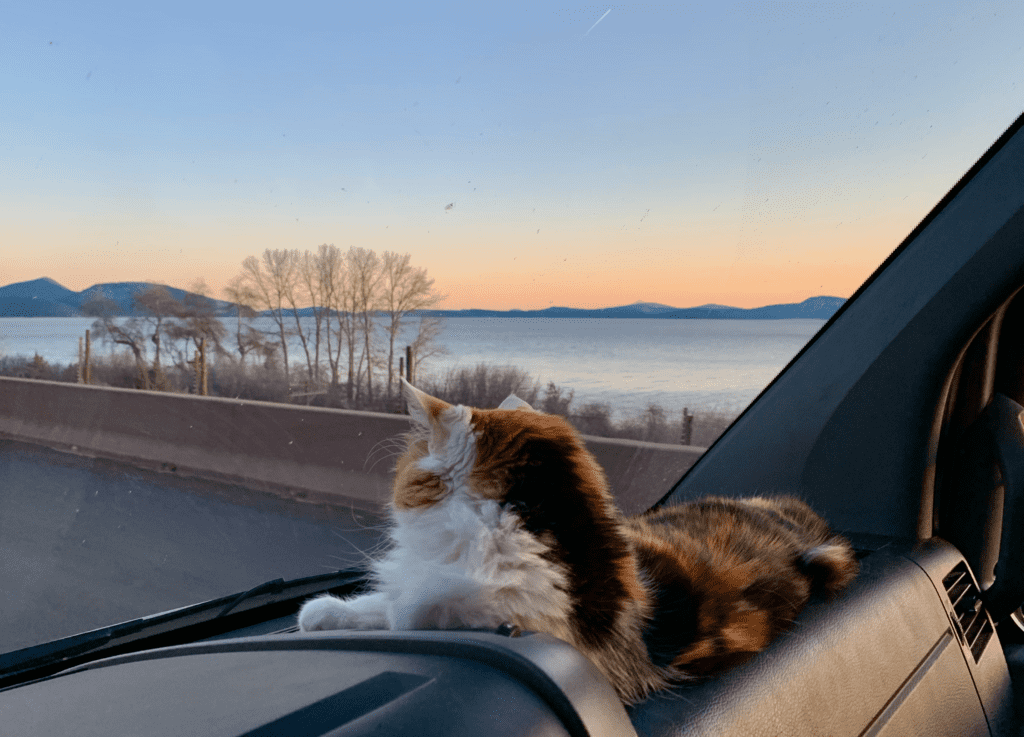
(185, 624)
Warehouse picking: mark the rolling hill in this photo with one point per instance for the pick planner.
(46, 298)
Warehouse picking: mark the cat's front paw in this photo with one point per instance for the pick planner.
(325, 613)
(331, 613)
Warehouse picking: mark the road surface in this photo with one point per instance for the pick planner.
(86, 542)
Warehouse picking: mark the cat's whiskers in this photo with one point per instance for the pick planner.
(368, 555)
(392, 447)
(382, 528)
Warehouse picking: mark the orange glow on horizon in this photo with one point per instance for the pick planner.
(502, 267)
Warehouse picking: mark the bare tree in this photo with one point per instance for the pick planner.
(131, 334)
(364, 270)
(247, 338)
(269, 280)
(158, 307)
(404, 289)
(426, 344)
(198, 320)
(343, 292)
(330, 267)
(307, 289)
(346, 313)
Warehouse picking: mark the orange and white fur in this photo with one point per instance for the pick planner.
(503, 516)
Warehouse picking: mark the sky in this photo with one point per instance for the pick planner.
(525, 155)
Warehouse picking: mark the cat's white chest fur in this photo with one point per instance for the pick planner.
(462, 562)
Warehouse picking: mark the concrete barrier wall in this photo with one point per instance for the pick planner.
(324, 456)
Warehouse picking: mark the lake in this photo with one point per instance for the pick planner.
(700, 364)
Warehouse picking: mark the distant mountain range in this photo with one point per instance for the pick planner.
(46, 298)
(820, 308)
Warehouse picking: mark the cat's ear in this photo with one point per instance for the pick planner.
(514, 402)
(423, 408)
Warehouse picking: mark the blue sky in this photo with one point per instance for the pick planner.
(741, 154)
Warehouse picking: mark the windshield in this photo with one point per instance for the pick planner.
(630, 216)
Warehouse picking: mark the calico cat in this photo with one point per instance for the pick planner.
(503, 516)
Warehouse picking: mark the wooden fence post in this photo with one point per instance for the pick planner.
(408, 363)
(204, 388)
(687, 434)
(87, 369)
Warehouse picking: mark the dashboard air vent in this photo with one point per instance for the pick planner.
(971, 622)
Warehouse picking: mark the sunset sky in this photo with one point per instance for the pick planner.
(743, 155)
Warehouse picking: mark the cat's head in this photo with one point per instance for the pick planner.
(513, 455)
(536, 468)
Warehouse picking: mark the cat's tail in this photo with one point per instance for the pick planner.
(831, 566)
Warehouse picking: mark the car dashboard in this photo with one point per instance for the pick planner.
(908, 649)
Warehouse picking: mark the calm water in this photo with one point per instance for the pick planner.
(720, 364)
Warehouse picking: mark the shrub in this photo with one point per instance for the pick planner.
(651, 426)
(708, 425)
(266, 383)
(120, 370)
(483, 386)
(37, 367)
(594, 418)
(554, 403)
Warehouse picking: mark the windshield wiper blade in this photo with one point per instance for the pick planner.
(200, 620)
(267, 587)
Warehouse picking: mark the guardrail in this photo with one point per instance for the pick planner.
(324, 456)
